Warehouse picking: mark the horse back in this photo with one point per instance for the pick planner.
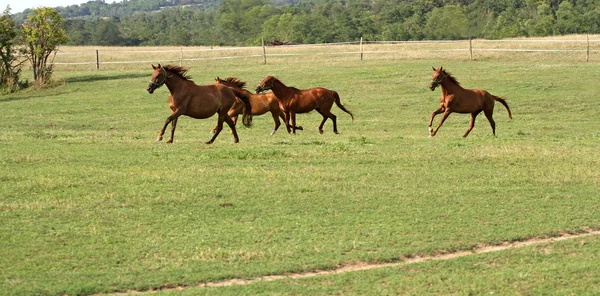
(204, 101)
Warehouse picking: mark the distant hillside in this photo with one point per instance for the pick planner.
(101, 9)
(246, 22)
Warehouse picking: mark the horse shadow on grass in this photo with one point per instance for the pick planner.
(92, 78)
(87, 78)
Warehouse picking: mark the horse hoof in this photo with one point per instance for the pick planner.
(169, 141)
(321, 132)
(159, 139)
(208, 143)
(236, 140)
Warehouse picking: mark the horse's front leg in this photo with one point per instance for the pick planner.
(173, 117)
(293, 115)
(436, 112)
(286, 120)
(446, 114)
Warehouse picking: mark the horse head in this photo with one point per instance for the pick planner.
(266, 84)
(158, 78)
(437, 78)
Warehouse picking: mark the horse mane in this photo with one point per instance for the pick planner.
(275, 79)
(179, 71)
(233, 81)
(449, 76)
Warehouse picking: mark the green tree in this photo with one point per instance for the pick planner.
(448, 22)
(42, 33)
(544, 22)
(567, 19)
(10, 67)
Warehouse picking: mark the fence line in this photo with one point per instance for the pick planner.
(471, 45)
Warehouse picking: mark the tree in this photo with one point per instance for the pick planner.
(10, 67)
(42, 33)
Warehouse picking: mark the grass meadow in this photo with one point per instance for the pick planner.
(89, 203)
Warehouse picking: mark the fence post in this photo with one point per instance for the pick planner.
(470, 48)
(361, 49)
(587, 54)
(264, 51)
(97, 61)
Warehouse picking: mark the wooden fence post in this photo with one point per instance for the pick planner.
(264, 51)
(470, 48)
(587, 54)
(361, 48)
(97, 61)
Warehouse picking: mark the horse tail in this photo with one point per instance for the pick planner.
(503, 102)
(245, 98)
(339, 104)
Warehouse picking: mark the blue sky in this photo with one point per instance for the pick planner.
(17, 6)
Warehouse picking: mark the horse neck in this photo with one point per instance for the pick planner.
(450, 87)
(174, 83)
(280, 90)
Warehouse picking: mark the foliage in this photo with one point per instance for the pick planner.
(245, 22)
(42, 34)
(10, 67)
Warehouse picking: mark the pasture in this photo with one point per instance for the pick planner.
(89, 203)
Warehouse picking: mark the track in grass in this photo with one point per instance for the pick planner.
(368, 266)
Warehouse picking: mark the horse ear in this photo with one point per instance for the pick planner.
(441, 68)
(153, 67)
(159, 66)
(432, 67)
(217, 78)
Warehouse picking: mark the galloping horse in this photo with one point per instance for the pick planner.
(457, 99)
(196, 101)
(293, 100)
(261, 103)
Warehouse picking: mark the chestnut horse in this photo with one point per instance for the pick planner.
(196, 101)
(293, 100)
(457, 99)
(261, 103)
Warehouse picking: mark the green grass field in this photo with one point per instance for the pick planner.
(89, 203)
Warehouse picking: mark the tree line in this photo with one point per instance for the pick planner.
(245, 22)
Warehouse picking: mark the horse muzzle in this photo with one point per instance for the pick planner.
(259, 89)
(433, 86)
(150, 89)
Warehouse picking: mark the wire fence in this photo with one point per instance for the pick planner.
(583, 49)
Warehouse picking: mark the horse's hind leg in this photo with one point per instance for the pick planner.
(472, 122)
(326, 115)
(488, 114)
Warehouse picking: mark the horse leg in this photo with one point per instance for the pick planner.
(277, 122)
(174, 115)
(488, 114)
(472, 122)
(446, 114)
(173, 125)
(327, 114)
(293, 116)
(231, 124)
(436, 112)
(219, 128)
(286, 120)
